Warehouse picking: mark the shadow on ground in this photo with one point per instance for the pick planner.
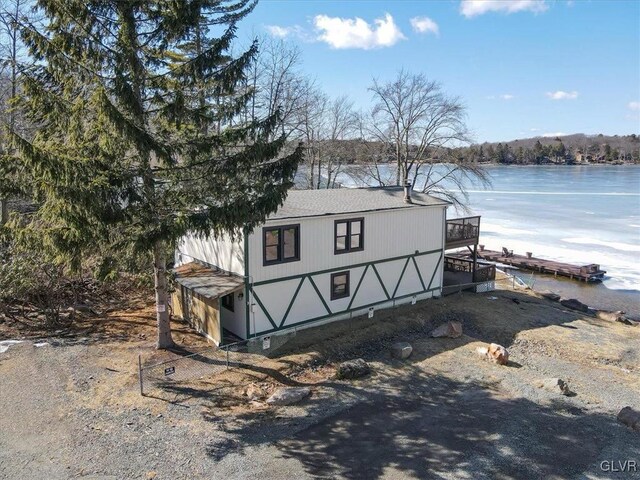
(434, 427)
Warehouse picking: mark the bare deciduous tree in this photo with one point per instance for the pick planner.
(419, 125)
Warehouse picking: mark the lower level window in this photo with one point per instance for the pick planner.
(227, 302)
(339, 285)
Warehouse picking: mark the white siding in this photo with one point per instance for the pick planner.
(400, 233)
(236, 321)
(387, 234)
(223, 253)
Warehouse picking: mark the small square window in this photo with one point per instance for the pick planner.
(339, 285)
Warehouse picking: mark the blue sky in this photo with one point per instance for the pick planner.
(522, 67)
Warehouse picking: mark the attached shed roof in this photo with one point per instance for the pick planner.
(206, 281)
(312, 203)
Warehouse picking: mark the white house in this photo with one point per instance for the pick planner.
(324, 255)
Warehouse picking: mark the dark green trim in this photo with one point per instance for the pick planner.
(346, 267)
(264, 309)
(315, 287)
(395, 290)
(358, 287)
(349, 308)
(293, 299)
(435, 270)
(247, 297)
(344, 312)
(419, 276)
(382, 283)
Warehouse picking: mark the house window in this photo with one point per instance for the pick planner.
(339, 285)
(281, 244)
(349, 235)
(227, 302)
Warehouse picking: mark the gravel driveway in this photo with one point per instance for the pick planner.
(72, 410)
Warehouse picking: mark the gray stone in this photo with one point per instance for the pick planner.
(288, 395)
(554, 297)
(353, 369)
(574, 304)
(556, 385)
(401, 350)
(629, 417)
(449, 329)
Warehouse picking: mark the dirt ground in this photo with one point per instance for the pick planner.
(72, 408)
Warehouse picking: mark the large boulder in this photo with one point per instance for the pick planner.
(629, 417)
(353, 369)
(574, 304)
(401, 350)
(556, 385)
(449, 329)
(289, 395)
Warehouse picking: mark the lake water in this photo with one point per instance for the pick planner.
(577, 214)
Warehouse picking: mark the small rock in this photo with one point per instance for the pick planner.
(630, 418)
(401, 350)
(498, 354)
(555, 385)
(617, 316)
(574, 304)
(159, 415)
(353, 369)
(254, 392)
(449, 329)
(287, 396)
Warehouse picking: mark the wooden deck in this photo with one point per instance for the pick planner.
(586, 273)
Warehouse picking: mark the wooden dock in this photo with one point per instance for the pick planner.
(586, 273)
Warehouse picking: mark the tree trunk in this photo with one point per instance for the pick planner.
(4, 211)
(162, 314)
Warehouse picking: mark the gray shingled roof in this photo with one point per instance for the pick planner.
(312, 203)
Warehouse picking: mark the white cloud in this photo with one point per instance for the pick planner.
(284, 32)
(341, 33)
(534, 129)
(561, 95)
(472, 8)
(424, 25)
(634, 106)
(555, 134)
(504, 96)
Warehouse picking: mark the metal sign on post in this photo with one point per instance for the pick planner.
(169, 371)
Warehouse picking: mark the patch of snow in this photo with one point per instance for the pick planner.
(5, 344)
(41, 344)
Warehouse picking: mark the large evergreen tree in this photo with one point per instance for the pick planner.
(139, 138)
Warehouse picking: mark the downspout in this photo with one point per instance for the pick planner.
(247, 280)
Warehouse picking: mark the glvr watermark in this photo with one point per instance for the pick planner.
(625, 466)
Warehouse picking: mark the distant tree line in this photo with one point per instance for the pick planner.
(569, 150)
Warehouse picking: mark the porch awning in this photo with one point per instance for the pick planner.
(206, 281)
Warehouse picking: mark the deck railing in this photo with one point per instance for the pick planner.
(463, 231)
(484, 273)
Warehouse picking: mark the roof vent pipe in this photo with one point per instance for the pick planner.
(407, 192)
